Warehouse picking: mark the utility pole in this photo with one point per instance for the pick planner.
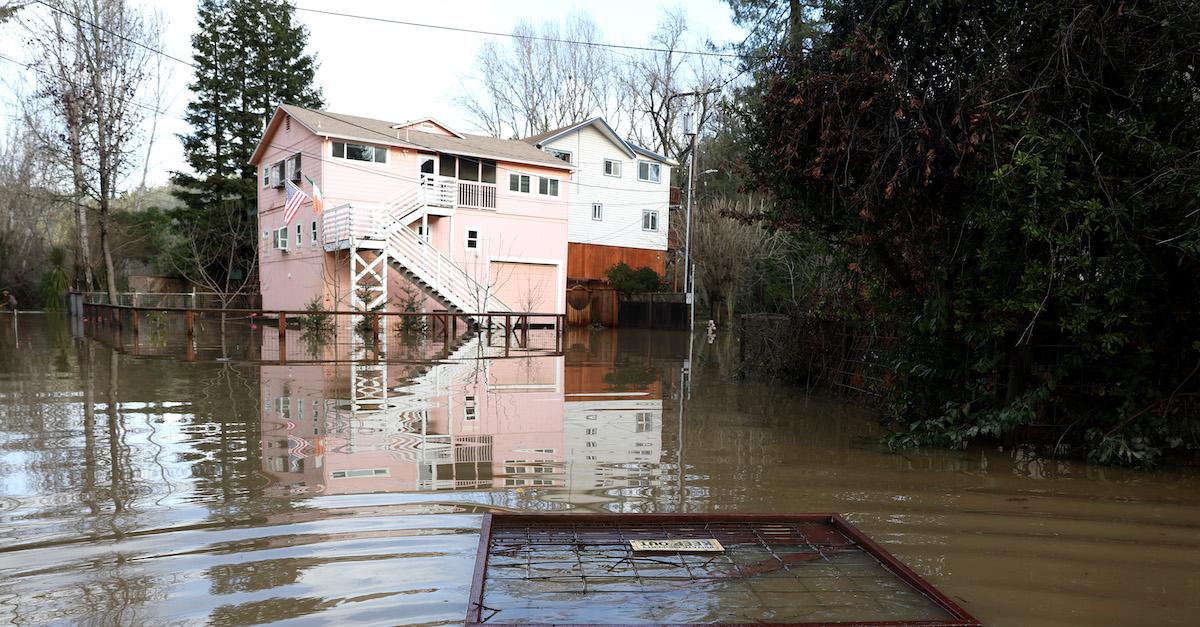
(689, 128)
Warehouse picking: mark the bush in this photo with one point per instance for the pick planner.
(629, 281)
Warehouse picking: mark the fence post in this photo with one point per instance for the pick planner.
(189, 324)
(282, 337)
(133, 323)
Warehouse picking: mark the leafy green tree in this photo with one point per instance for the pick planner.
(1018, 180)
(250, 56)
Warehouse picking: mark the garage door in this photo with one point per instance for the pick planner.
(526, 286)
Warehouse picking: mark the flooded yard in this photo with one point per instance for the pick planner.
(151, 483)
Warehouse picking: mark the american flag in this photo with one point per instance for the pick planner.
(295, 198)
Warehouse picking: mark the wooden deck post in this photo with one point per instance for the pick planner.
(445, 329)
(189, 324)
(454, 325)
(133, 323)
(488, 320)
(507, 333)
(375, 332)
(525, 331)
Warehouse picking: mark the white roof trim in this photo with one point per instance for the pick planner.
(429, 119)
(604, 128)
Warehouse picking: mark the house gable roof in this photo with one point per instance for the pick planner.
(429, 121)
(542, 139)
(629, 148)
(370, 130)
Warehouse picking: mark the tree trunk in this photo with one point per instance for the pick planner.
(83, 255)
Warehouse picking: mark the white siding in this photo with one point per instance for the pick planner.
(623, 198)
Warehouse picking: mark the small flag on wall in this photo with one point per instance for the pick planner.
(318, 199)
(295, 198)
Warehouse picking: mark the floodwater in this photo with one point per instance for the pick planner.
(150, 482)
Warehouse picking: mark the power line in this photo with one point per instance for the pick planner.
(474, 31)
(116, 34)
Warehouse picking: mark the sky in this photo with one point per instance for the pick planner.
(387, 71)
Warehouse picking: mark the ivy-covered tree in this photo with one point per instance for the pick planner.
(1019, 182)
(249, 57)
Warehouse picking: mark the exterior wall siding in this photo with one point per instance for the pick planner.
(596, 245)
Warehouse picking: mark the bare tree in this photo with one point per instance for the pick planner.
(546, 78)
(653, 82)
(209, 256)
(727, 251)
(98, 60)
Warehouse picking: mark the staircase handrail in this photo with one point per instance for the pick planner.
(448, 277)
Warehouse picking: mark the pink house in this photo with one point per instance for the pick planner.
(415, 215)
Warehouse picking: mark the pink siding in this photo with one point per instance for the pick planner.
(527, 228)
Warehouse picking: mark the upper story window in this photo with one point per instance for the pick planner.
(518, 183)
(547, 187)
(612, 167)
(266, 176)
(292, 167)
(597, 211)
(360, 152)
(649, 171)
(472, 239)
(559, 154)
(649, 219)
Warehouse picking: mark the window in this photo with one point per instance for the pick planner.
(649, 220)
(277, 174)
(468, 169)
(518, 183)
(299, 236)
(488, 173)
(423, 232)
(446, 166)
(280, 239)
(650, 172)
(472, 239)
(292, 165)
(547, 187)
(645, 422)
(360, 152)
(314, 231)
(612, 168)
(559, 154)
(266, 176)
(597, 211)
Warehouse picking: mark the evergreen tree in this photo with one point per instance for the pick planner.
(250, 57)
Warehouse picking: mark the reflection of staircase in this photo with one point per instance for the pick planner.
(385, 230)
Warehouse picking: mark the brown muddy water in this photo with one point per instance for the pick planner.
(137, 487)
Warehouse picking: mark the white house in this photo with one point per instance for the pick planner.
(619, 199)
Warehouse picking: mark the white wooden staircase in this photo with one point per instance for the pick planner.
(381, 234)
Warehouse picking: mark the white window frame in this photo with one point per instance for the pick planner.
(277, 175)
(652, 214)
(314, 231)
(266, 180)
(547, 183)
(517, 179)
(279, 240)
(299, 235)
(472, 243)
(615, 169)
(598, 211)
(423, 233)
(651, 167)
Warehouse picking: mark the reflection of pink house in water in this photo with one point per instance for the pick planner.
(473, 223)
(460, 424)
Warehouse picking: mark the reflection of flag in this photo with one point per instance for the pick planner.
(317, 198)
(295, 197)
